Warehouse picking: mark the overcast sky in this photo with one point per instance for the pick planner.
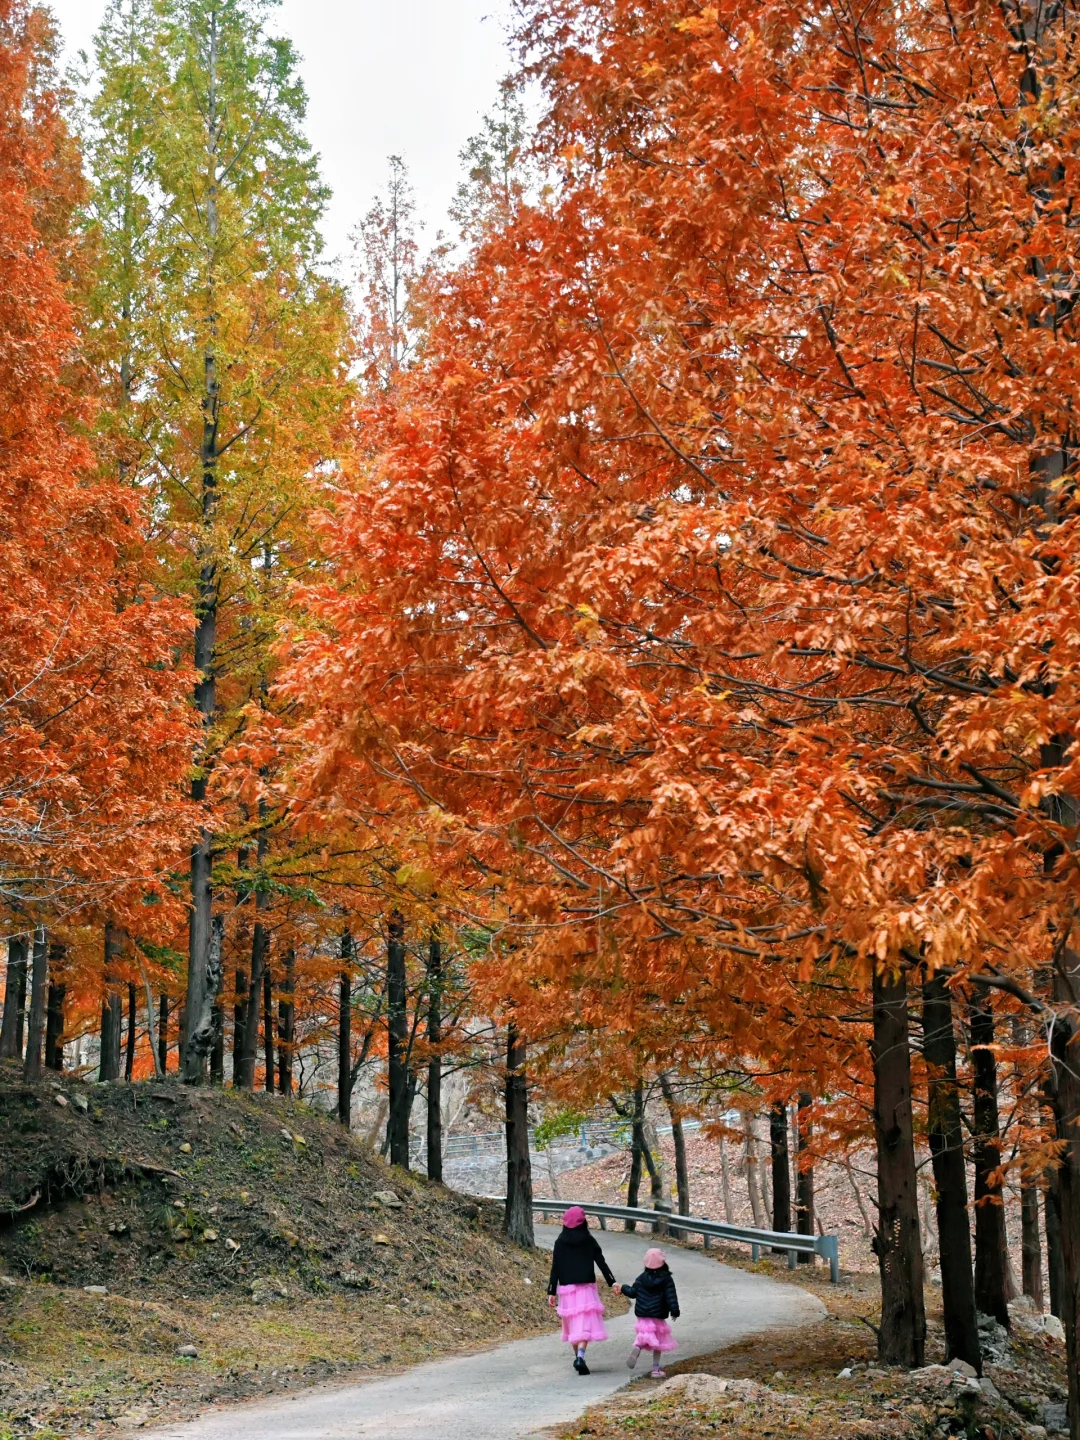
(384, 77)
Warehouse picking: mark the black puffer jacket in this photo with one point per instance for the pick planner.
(654, 1295)
(575, 1254)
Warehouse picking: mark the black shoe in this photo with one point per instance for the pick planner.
(580, 1366)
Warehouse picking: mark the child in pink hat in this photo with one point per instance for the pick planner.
(572, 1285)
(655, 1298)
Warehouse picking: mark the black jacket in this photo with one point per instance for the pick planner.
(576, 1252)
(653, 1293)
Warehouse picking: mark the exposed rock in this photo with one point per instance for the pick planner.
(960, 1367)
(696, 1389)
(1052, 1326)
(61, 1100)
(388, 1199)
(80, 1102)
(1055, 1418)
(187, 1352)
(96, 1289)
(265, 1291)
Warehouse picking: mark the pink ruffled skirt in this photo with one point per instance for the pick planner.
(582, 1313)
(654, 1335)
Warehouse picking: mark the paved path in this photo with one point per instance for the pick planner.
(522, 1387)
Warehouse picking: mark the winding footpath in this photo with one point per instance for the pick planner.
(517, 1389)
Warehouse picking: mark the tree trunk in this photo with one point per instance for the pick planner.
(753, 1178)
(990, 1255)
(1031, 1280)
(133, 1017)
(345, 1081)
(1065, 1093)
(781, 1170)
(217, 1049)
(14, 999)
(946, 1138)
(268, 1029)
(519, 1187)
(200, 1027)
(54, 1015)
(1031, 1244)
(111, 1009)
(239, 1025)
(637, 1150)
(804, 1171)
(286, 1013)
(725, 1184)
(902, 1337)
(398, 1040)
(682, 1174)
(163, 1033)
(434, 1080)
(35, 1030)
(260, 946)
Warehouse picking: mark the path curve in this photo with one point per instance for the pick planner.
(519, 1388)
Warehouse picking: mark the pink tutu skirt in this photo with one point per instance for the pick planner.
(582, 1313)
(654, 1335)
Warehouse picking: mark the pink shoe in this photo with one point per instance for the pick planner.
(659, 1374)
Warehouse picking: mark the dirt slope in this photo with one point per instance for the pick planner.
(253, 1229)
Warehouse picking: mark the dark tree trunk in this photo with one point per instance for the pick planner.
(345, 1072)
(285, 1027)
(200, 940)
(398, 1041)
(990, 1253)
(35, 1030)
(519, 1189)
(902, 1337)
(260, 948)
(1055, 1272)
(54, 1016)
(112, 1008)
(946, 1138)
(434, 1078)
(1065, 1093)
(268, 1028)
(200, 1027)
(682, 1174)
(14, 999)
(239, 1025)
(637, 1151)
(163, 1033)
(804, 1172)
(133, 1017)
(1031, 1243)
(781, 1169)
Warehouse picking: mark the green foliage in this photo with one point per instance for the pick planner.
(555, 1124)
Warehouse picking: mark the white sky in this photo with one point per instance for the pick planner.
(384, 77)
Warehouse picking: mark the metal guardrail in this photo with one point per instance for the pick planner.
(665, 1220)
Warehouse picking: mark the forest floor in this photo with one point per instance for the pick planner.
(789, 1385)
(162, 1248)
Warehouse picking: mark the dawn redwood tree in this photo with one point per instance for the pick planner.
(224, 344)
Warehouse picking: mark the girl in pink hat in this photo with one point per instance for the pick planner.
(655, 1298)
(572, 1285)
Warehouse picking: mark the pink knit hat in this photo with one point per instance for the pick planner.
(654, 1259)
(573, 1217)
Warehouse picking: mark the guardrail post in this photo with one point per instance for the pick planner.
(829, 1247)
(661, 1227)
(792, 1260)
(755, 1253)
(603, 1221)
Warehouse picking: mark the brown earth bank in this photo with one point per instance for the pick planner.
(823, 1382)
(250, 1230)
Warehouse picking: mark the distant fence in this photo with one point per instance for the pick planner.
(592, 1135)
(664, 1221)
